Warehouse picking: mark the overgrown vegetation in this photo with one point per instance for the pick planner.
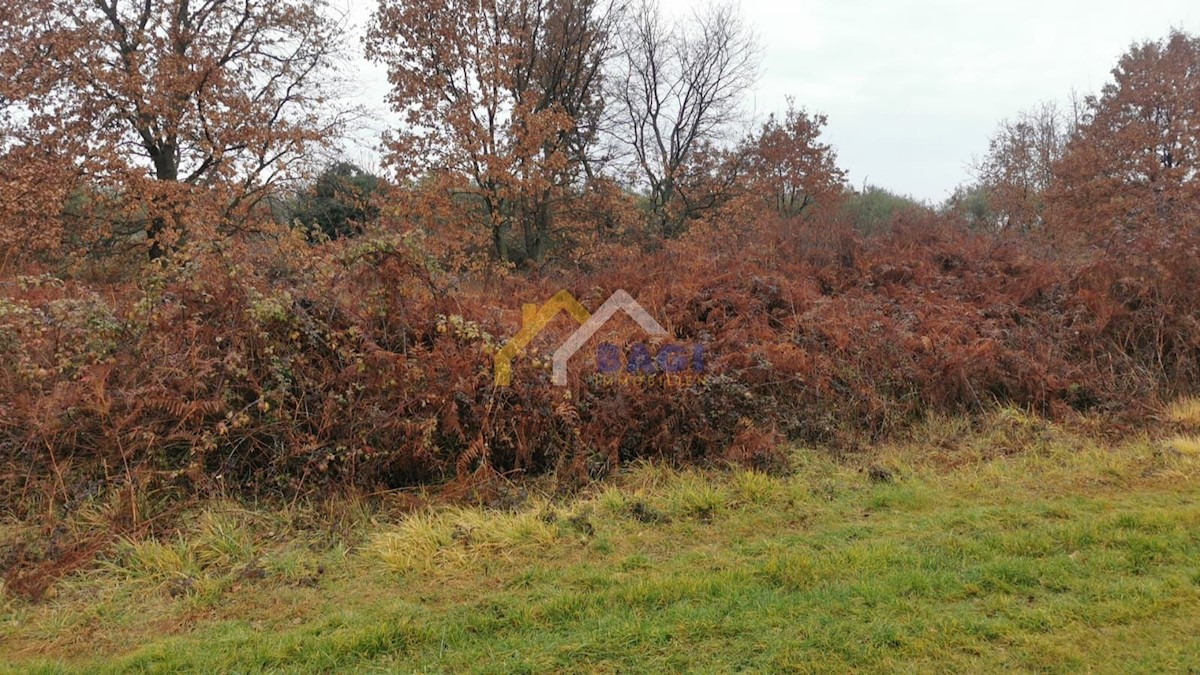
(181, 322)
(363, 371)
(1021, 545)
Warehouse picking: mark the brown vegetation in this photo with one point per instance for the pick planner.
(254, 356)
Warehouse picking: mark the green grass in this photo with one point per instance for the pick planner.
(1062, 556)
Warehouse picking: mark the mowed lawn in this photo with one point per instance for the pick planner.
(1019, 547)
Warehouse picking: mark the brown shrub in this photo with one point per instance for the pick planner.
(284, 368)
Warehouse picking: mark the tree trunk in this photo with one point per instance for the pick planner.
(166, 170)
(157, 227)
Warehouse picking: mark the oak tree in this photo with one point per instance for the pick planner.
(789, 165)
(1020, 164)
(1134, 167)
(502, 94)
(186, 112)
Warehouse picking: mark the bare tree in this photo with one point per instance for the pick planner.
(678, 87)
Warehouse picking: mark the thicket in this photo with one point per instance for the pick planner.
(285, 367)
(194, 329)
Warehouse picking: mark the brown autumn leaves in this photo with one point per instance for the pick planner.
(522, 126)
(1113, 167)
(165, 118)
(149, 124)
(531, 133)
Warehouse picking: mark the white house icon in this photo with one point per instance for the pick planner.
(619, 301)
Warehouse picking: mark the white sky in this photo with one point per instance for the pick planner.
(913, 89)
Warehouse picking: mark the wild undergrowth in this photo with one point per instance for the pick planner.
(279, 369)
(1032, 547)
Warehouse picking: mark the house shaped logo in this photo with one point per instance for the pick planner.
(534, 319)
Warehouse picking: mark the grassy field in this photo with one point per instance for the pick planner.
(1014, 546)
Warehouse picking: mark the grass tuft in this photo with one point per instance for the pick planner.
(612, 501)
(455, 538)
(693, 495)
(221, 541)
(1188, 446)
(423, 541)
(755, 487)
(1185, 412)
(157, 562)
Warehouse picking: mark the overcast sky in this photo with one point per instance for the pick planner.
(914, 89)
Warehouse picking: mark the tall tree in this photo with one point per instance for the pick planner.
(189, 111)
(679, 87)
(1020, 164)
(503, 93)
(790, 166)
(1134, 167)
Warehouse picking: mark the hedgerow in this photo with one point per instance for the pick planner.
(279, 367)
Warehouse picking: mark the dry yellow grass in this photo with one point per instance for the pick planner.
(1185, 412)
(1016, 546)
(450, 539)
(1185, 445)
